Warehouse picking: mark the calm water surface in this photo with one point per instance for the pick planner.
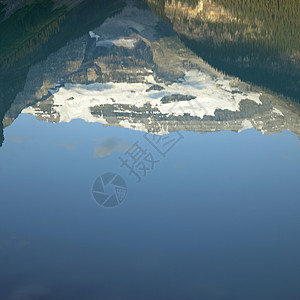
(218, 218)
(211, 205)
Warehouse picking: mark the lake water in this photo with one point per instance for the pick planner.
(131, 169)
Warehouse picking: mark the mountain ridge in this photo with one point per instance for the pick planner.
(154, 73)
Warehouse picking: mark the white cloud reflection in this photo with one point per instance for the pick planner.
(109, 145)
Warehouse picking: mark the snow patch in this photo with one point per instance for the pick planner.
(125, 43)
(75, 101)
(121, 42)
(246, 124)
(277, 111)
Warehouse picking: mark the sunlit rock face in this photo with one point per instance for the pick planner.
(204, 9)
(196, 21)
(134, 72)
(203, 22)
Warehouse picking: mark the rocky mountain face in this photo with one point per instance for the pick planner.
(134, 72)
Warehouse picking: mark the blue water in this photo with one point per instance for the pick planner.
(216, 218)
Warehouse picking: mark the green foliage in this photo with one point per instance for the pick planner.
(28, 28)
(280, 19)
(37, 23)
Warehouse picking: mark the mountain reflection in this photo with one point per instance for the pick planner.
(134, 72)
(257, 41)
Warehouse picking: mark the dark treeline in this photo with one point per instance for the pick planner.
(28, 28)
(261, 44)
(2, 11)
(279, 20)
